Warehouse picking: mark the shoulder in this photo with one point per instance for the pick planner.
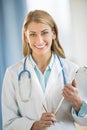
(69, 64)
(66, 63)
(70, 68)
(15, 68)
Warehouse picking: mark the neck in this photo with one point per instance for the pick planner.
(42, 61)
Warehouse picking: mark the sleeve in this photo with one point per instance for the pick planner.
(81, 116)
(11, 117)
(83, 110)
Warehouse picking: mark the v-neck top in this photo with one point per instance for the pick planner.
(43, 77)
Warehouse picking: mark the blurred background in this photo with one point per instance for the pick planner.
(70, 16)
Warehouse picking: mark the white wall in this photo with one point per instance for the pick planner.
(60, 10)
(71, 18)
(79, 30)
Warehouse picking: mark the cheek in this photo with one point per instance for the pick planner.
(50, 40)
(30, 42)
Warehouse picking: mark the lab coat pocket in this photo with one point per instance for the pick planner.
(25, 89)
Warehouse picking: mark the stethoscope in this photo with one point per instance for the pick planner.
(24, 70)
(29, 75)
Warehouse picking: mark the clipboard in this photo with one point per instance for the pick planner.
(81, 81)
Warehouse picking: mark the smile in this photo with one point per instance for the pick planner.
(40, 47)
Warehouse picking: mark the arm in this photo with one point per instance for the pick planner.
(11, 116)
(79, 111)
(81, 116)
(70, 92)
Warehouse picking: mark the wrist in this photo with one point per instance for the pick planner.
(77, 104)
(34, 126)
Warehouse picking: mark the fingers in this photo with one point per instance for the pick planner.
(41, 125)
(70, 91)
(48, 119)
(54, 111)
(48, 116)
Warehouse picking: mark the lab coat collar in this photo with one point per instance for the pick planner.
(57, 62)
(56, 70)
(49, 65)
(34, 78)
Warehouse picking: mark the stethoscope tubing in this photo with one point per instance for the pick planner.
(24, 70)
(29, 76)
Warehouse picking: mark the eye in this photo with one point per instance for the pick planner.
(44, 33)
(32, 35)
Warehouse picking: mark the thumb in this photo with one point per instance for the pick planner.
(74, 83)
(54, 111)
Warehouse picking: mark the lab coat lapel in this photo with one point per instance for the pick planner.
(37, 92)
(53, 93)
(52, 84)
(56, 70)
(34, 78)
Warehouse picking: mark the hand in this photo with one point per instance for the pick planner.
(70, 93)
(47, 119)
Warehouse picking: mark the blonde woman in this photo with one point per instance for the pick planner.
(39, 92)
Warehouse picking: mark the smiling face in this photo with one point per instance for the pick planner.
(39, 37)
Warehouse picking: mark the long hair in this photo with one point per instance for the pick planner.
(40, 16)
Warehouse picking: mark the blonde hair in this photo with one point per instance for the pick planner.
(41, 16)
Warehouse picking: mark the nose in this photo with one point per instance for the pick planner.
(39, 39)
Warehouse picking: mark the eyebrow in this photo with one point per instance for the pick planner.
(44, 30)
(41, 31)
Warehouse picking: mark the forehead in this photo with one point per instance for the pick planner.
(33, 26)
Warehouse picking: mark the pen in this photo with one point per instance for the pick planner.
(46, 111)
(59, 105)
(44, 108)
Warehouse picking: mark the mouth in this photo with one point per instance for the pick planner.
(40, 47)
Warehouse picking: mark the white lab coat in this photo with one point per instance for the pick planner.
(22, 101)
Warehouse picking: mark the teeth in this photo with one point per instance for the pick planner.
(40, 46)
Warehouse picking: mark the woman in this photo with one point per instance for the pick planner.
(40, 91)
